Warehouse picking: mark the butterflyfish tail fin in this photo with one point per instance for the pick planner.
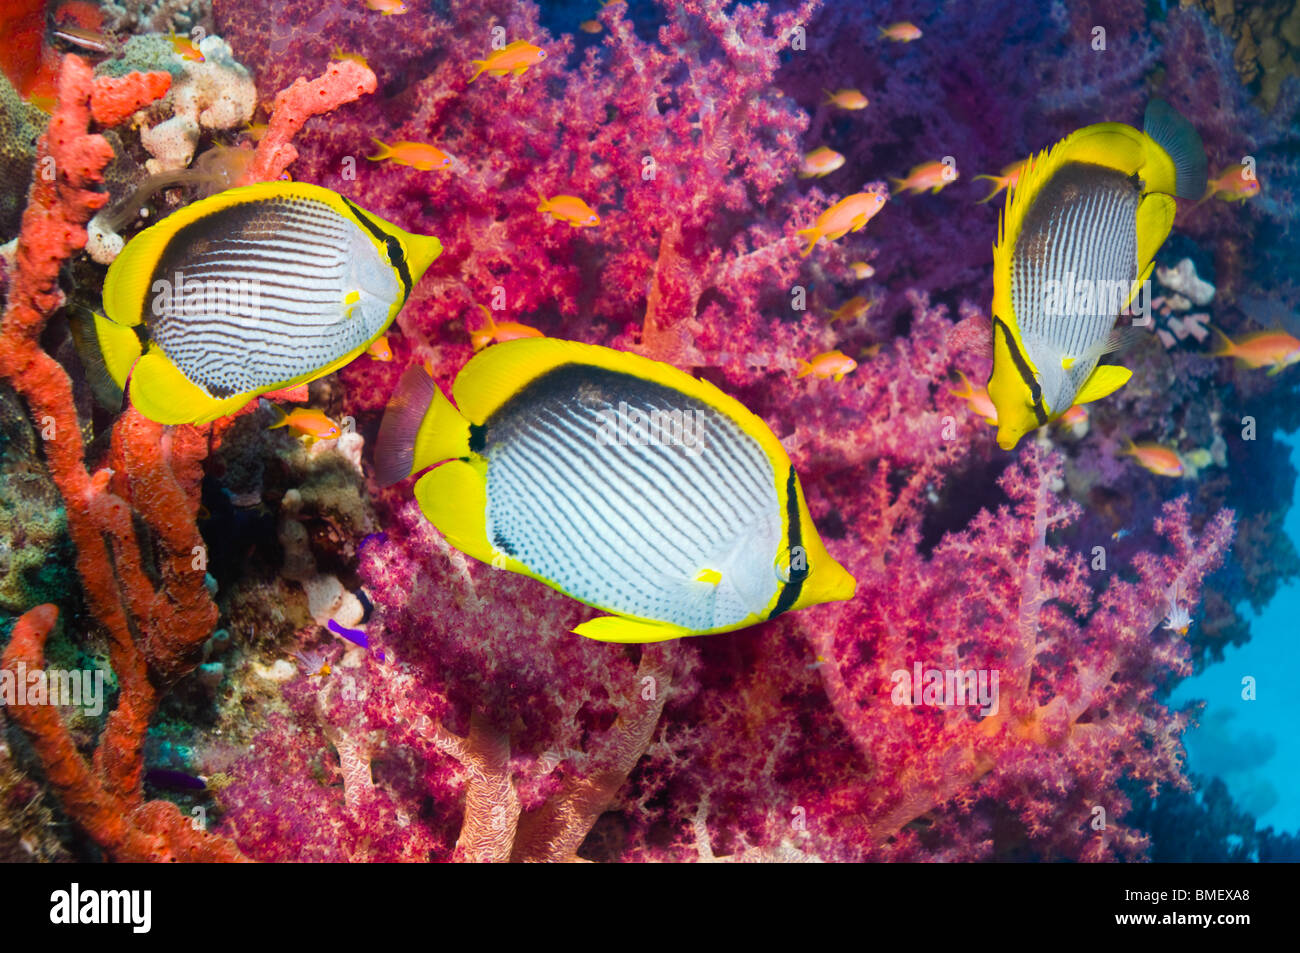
(420, 428)
(1179, 138)
(106, 355)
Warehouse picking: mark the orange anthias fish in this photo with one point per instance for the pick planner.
(255, 130)
(515, 58)
(307, 422)
(847, 215)
(1231, 185)
(571, 209)
(590, 26)
(832, 364)
(418, 155)
(185, 49)
(862, 270)
(1007, 180)
(1276, 350)
(821, 161)
(851, 310)
(493, 333)
(380, 350)
(1156, 458)
(928, 175)
(978, 399)
(846, 99)
(386, 7)
(903, 32)
(1078, 414)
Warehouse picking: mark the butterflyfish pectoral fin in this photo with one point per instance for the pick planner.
(1105, 380)
(454, 498)
(617, 628)
(711, 576)
(163, 394)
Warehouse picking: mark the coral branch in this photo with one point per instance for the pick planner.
(341, 83)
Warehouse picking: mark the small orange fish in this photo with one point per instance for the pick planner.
(1078, 414)
(569, 208)
(832, 364)
(928, 175)
(306, 422)
(903, 32)
(339, 55)
(1009, 178)
(851, 310)
(821, 161)
(1276, 350)
(846, 99)
(590, 26)
(847, 215)
(1231, 185)
(380, 350)
(418, 155)
(185, 49)
(1156, 458)
(493, 333)
(515, 58)
(862, 270)
(978, 399)
(255, 131)
(386, 7)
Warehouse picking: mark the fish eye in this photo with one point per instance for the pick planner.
(394, 249)
(541, 54)
(791, 564)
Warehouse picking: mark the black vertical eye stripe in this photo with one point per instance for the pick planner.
(790, 591)
(1022, 367)
(395, 256)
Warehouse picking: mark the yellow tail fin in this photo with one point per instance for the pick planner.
(385, 150)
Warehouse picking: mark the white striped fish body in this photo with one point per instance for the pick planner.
(1076, 248)
(627, 526)
(261, 293)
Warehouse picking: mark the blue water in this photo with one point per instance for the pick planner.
(1255, 745)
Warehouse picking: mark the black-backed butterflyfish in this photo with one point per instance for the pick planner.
(248, 291)
(620, 481)
(1076, 241)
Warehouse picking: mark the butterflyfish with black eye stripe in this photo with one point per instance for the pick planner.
(252, 290)
(622, 482)
(1076, 242)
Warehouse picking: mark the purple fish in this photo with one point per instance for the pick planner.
(356, 636)
(174, 780)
